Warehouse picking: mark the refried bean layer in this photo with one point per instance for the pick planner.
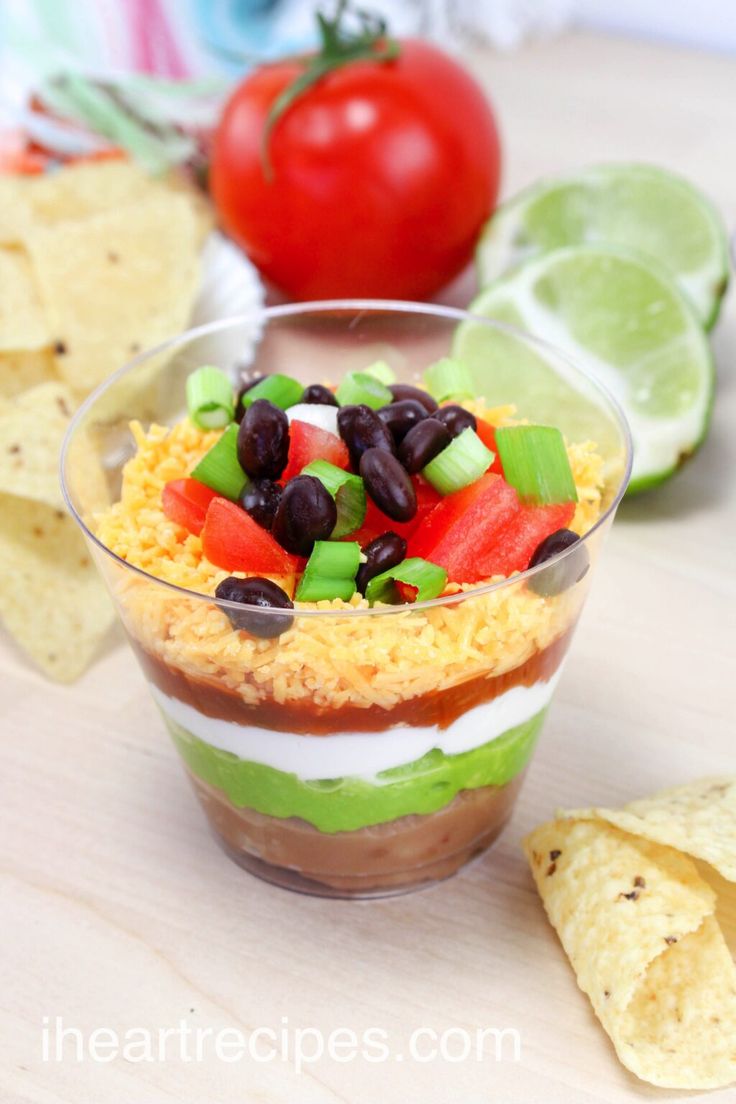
(401, 854)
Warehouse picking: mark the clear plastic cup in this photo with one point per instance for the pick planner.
(368, 751)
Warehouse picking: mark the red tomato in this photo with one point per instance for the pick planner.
(407, 592)
(307, 443)
(484, 530)
(16, 157)
(185, 501)
(376, 522)
(231, 539)
(487, 434)
(383, 175)
(465, 526)
(520, 539)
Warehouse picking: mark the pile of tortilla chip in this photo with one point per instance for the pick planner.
(637, 919)
(98, 261)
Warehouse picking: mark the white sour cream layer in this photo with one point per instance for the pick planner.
(361, 754)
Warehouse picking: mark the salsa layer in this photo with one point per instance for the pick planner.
(302, 717)
(348, 804)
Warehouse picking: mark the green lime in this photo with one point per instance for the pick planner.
(635, 207)
(621, 317)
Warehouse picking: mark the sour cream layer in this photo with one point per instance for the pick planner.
(361, 754)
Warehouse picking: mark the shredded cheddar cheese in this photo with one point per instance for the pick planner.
(349, 657)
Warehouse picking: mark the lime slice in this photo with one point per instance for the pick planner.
(623, 319)
(635, 207)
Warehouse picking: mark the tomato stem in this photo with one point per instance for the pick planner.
(338, 47)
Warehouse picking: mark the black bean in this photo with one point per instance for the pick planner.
(319, 395)
(382, 553)
(260, 498)
(263, 440)
(361, 429)
(256, 592)
(423, 443)
(456, 419)
(388, 484)
(244, 389)
(562, 575)
(401, 416)
(306, 513)
(406, 391)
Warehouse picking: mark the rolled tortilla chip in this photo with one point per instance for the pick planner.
(637, 923)
(679, 1031)
(698, 818)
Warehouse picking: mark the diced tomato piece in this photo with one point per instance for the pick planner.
(427, 497)
(185, 502)
(308, 443)
(376, 522)
(231, 539)
(111, 153)
(407, 592)
(16, 159)
(487, 434)
(484, 530)
(465, 527)
(520, 539)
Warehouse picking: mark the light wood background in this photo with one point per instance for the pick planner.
(118, 910)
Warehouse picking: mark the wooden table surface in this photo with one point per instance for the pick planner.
(117, 910)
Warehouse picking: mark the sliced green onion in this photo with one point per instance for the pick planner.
(535, 462)
(427, 578)
(330, 572)
(282, 391)
(449, 379)
(338, 559)
(317, 588)
(464, 460)
(219, 468)
(348, 492)
(360, 387)
(210, 398)
(381, 371)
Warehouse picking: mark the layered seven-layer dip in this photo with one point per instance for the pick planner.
(346, 739)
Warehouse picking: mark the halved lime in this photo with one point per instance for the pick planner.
(623, 318)
(636, 207)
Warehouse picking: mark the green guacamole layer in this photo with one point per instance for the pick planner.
(346, 804)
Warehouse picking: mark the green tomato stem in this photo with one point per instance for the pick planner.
(339, 47)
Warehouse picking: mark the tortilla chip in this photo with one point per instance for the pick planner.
(89, 188)
(611, 927)
(680, 1029)
(23, 369)
(51, 598)
(15, 209)
(698, 818)
(115, 284)
(22, 321)
(32, 428)
(631, 915)
(725, 892)
(202, 209)
(92, 469)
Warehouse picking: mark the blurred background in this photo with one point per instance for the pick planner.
(184, 38)
(175, 61)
